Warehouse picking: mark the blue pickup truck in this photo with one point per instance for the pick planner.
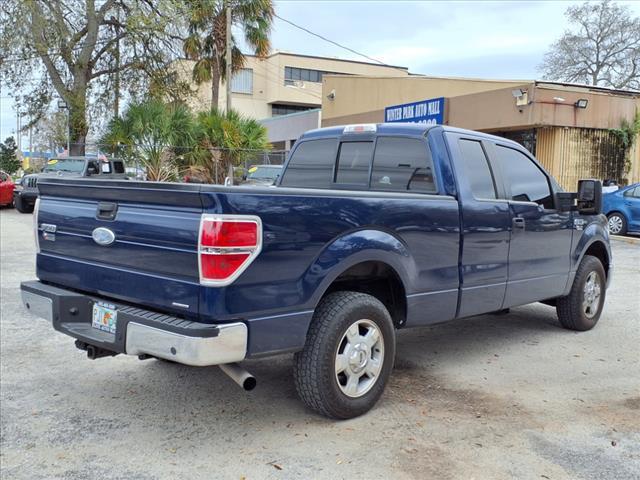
(370, 229)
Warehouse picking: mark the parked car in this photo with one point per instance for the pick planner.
(622, 208)
(6, 189)
(262, 175)
(26, 192)
(370, 229)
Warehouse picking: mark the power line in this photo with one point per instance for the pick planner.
(322, 37)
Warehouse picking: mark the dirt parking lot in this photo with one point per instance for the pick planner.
(491, 397)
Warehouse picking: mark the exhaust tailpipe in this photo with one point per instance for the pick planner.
(239, 375)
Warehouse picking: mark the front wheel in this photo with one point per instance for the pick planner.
(22, 206)
(581, 309)
(348, 356)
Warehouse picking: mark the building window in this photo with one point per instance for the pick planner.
(242, 81)
(293, 74)
(278, 109)
(526, 138)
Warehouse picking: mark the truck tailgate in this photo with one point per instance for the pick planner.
(153, 259)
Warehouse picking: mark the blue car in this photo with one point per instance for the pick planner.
(622, 208)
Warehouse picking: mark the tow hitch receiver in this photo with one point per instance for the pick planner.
(94, 352)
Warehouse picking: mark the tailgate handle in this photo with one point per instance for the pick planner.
(107, 210)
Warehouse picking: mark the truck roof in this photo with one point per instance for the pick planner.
(417, 129)
(381, 129)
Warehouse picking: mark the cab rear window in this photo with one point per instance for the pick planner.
(311, 164)
(392, 164)
(354, 161)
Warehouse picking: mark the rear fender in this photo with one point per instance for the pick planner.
(354, 248)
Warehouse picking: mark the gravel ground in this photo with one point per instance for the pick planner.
(510, 396)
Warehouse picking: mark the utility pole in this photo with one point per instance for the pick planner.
(18, 132)
(116, 82)
(228, 56)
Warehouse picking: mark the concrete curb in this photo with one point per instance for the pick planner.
(631, 240)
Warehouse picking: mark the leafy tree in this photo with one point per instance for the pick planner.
(149, 131)
(206, 43)
(9, 162)
(601, 48)
(50, 131)
(81, 49)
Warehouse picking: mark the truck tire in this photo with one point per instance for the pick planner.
(581, 309)
(22, 206)
(617, 224)
(348, 356)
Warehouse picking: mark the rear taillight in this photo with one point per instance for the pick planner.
(227, 244)
(36, 226)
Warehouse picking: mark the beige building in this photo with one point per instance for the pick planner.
(283, 91)
(573, 130)
(281, 84)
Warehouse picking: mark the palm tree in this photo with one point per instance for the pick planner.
(153, 132)
(206, 43)
(228, 139)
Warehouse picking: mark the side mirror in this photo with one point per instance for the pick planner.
(589, 197)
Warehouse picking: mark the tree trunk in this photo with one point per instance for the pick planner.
(78, 127)
(215, 85)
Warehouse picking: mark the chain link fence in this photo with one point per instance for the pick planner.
(173, 162)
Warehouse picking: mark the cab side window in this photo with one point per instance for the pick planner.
(476, 169)
(523, 177)
(105, 167)
(118, 167)
(402, 164)
(92, 168)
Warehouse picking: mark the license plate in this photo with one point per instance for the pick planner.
(104, 317)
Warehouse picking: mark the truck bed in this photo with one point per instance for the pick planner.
(306, 234)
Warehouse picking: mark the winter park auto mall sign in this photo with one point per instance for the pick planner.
(430, 112)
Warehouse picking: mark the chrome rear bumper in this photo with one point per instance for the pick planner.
(230, 345)
(138, 331)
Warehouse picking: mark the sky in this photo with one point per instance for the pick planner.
(492, 39)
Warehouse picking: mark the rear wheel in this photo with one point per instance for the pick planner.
(348, 356)
(581, 309)
(617, 224)
(22, 206)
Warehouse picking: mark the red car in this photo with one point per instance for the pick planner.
(6, 189)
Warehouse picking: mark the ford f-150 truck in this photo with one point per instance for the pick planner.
(370, 229)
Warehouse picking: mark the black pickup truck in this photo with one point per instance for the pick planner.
(370, 229)
(26, 189)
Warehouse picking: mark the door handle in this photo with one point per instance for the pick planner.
(518, 222)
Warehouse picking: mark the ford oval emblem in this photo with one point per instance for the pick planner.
(103, 236)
